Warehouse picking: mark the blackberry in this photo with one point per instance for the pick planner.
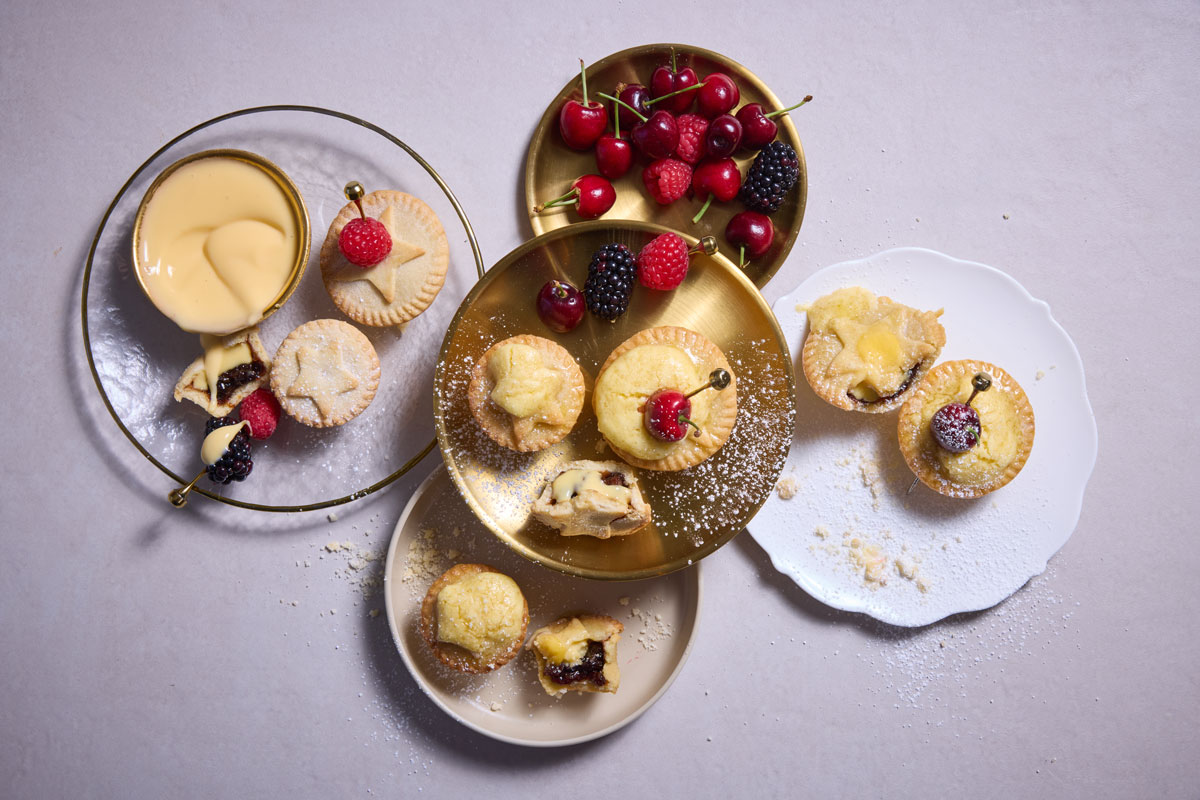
(610, 280)
(235, 464)
(771, 177)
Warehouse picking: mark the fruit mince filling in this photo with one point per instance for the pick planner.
(233, 379)
(589, 669)
(613, 479)
(912, 373)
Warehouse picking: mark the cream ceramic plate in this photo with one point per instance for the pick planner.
(936, 555)
(436, 530)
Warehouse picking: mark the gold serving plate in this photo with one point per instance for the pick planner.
(697, 510)
(551, 166)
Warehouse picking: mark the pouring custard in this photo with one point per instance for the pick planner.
(220, 239)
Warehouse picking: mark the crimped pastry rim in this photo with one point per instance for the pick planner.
(911, 438)
(723, 409)
(496, 422)
(452, 655)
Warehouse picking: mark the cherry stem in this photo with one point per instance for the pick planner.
(685, 421)
(618, 101)
(807, 99)
(691, 88)
(741, 256)
(565, 200)
(673, 67)
(616, 122)
(703, 208)
(583, 77)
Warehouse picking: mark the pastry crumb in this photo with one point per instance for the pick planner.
(787, 488)
(623, 600)
(332, 516)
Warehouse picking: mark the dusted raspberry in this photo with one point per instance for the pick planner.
(261, 412)
(667, 180)
(663, 262)
(692, 128)
(365, 242)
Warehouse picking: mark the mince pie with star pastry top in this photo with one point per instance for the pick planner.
(526, 392)
(865, 353)
(325, 373)
(400, 287)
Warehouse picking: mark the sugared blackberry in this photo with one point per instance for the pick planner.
(771, 177)
(236, 464)
(610, 280)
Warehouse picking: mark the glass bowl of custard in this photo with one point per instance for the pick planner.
(220, 240)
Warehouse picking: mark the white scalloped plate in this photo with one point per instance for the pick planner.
(941, 555)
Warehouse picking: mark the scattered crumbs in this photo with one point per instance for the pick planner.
(424, 563)
(333, 547)
(1006, 216)
(653, 628)
(821, 532)
(495, 706)
(623, 600)
(332, 516)
(1040, 374)
(787, 488)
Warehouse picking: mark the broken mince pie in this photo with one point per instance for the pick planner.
(865, 353)
(229, 371)
(593, 498)
(578, 654)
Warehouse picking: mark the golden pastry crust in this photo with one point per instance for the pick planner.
(193, 384)
(547, 426)
(325, 373)
(1005, 441)
(833, 368)
(453, 655)
(596, 628)
(592, 510)
(404, 284)
(617, 406)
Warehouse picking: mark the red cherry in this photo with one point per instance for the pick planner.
(582, 123)
(636, 97)
(956, 427)
(666, 80)
(720, 179)
(591, 195)
(723, 137)
(719, 95)
(560, 305)
(752, 232)
(758, 127)
(658, 136)
(614, 156)
(666, 415)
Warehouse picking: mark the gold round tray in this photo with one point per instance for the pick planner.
(695, 511)
(551, 166)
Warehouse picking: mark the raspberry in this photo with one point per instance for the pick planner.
(235, 464)
(771, 176)
(610, 280)
(261, 412)
(667, 180)
(663, 262)
(365, 242)
(692, 128)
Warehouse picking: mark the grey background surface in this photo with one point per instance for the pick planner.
(153, 653)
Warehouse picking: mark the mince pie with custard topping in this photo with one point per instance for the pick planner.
(593, 498)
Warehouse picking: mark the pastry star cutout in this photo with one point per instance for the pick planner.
(322, 377)
(383, 275)
(884, 371)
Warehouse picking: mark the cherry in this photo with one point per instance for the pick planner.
(719, 95)
(614, 155)
(666, 415)
(581, 124)
(636, 99)
(560, 305)
(723, 136)
(591, 195)
(656, 136)
(667, 80)
(666, 411)
(752, 232)
(956, 426)
(720, 179)
(759, 128)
